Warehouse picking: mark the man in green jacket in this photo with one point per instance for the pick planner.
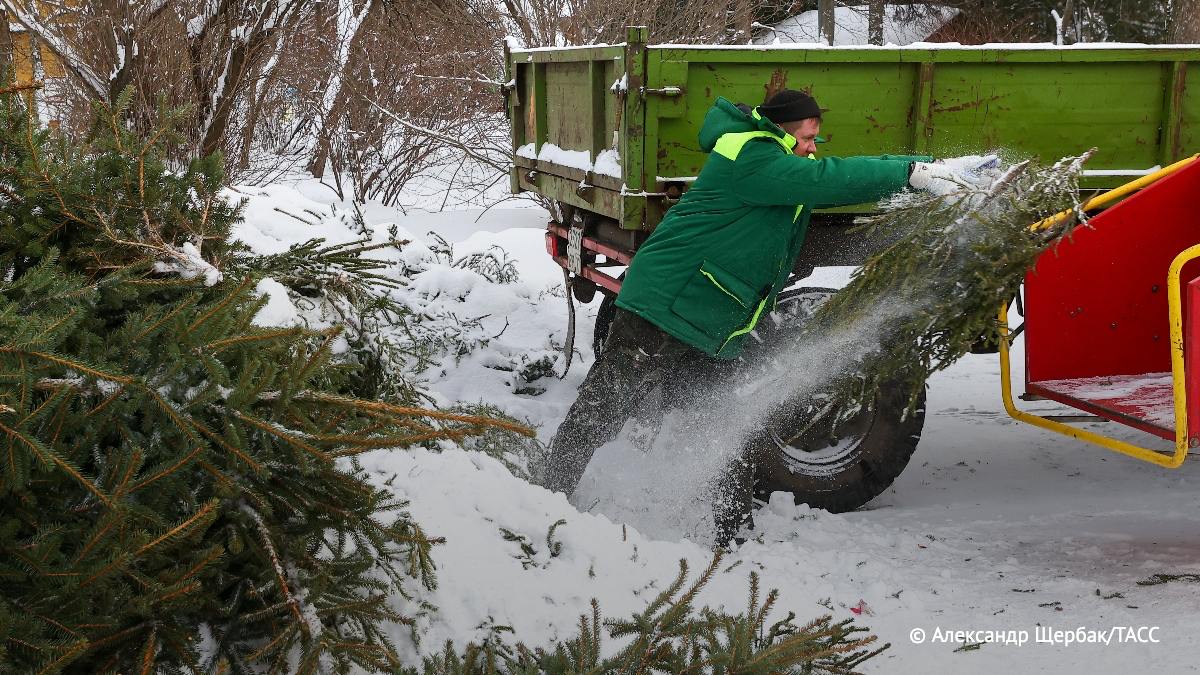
(713, 267)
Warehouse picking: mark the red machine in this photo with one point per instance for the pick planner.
(1112, 317)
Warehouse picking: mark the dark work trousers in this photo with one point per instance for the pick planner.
(640, 359)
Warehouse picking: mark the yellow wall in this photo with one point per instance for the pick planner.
(23, 64)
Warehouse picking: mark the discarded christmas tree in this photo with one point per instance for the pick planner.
(177, 485)
(670, 635)
(923, 302)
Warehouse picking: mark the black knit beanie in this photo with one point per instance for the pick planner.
(790, 105)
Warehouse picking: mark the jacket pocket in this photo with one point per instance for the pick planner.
(715, 301)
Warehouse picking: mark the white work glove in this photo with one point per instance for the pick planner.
(946, 176)
(975, 164)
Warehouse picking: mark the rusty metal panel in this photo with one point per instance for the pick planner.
(1188, 84)
(606, 202)
(1174, 87)
(1049, 110)
(1043, 102)
(568, 113)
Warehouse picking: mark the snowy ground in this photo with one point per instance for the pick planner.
(995, 525)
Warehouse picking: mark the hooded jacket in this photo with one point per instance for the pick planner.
(720, 256)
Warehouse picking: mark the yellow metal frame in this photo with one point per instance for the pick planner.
(1175, 309)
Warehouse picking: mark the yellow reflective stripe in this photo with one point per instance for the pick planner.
(748, 327)
(723, 289)
(799, 208)
(730, 145)
(789, 141)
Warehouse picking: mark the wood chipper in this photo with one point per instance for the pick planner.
(608, 135)
(1112, 318)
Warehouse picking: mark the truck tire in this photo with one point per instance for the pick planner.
(843, 461)
(604, 318)
(838, 464)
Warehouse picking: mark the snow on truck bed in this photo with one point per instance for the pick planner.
(1149, 397)
(994, 526)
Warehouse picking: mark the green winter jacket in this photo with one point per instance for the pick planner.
(715, 263)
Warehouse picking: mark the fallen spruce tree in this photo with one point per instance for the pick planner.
(670, 635)
(933, 294)
(178, 485)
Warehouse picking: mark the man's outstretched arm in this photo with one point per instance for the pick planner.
(782, 180)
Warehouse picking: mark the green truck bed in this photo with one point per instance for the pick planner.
(612, 130)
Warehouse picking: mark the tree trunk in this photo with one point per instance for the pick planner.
(875, 22)
(218, 103)
(6, 49)
(253, 106)
(122, 75)
(223, 106)
(1185, 21)
(825, 16)
(341, 99)
(522, 22)
(1068, 22)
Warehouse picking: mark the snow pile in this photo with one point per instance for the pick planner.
(279, 310)
(474, 330)
(902, 25)
(486, 579)
(608, 163)
(277, 217)
(993, 525)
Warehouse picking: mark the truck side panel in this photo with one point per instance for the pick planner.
(1049, 110)
(1045, 102)
(1184, 97)
(1134, 104)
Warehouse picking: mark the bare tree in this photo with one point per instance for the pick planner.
(348, 36)
(875, 22)
(6, 46)
(227, 42)
(570, 22)
(825, 14)
(109, 45)
(422, 93)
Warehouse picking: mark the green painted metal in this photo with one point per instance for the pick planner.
(566, 190)
(1132, 103)
(634, 130)
(1170, 146)
(515, 112)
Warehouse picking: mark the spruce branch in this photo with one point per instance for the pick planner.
(281, 579)
(397, 410)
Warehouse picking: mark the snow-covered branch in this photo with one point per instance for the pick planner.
(448, 140)
(473, 80)
(252, 29)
